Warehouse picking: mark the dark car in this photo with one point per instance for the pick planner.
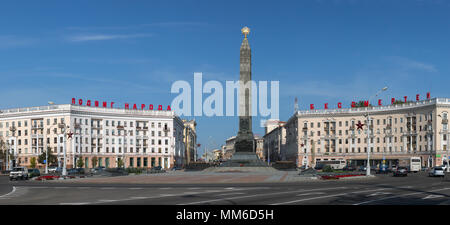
(319, 166)
(400, 171)
(33, 173)
(349, 168)
(72, 172)
(157, 168)
(177, 168)
(81, 171)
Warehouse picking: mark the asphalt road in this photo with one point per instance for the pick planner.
(415, 189)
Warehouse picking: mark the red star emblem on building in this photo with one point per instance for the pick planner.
(359, 125)
(69, 135)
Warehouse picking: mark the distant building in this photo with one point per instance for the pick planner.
(217, 154)
(228, 149)
(274, 141)
(259, 141)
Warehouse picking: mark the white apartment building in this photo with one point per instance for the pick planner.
(413, 129)
(140, 138)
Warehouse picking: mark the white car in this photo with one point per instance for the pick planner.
(19, 173)
(436, 172)
(52, 169)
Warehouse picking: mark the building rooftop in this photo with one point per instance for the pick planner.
(375, 109)
(91, 109)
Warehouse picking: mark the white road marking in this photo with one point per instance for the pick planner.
(167, 195)
(135, 188)
(406, 187)
(250, 196)
(433, 196)
(312, 193)
(195, 188)
(378, 193)
(326, 196)
(133, 198)
(238, 193)
(108, 200)
(10, 193)
(396, 196)
(75, 203)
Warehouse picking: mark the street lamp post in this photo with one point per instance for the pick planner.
(447, 156)
(368, 135)
(7, 155)
(62, 126)
(13, 130)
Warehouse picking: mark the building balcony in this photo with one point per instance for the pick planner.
(444, 121)
(34, 127)
(97, 127)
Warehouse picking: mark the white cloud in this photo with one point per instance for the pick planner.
(409, 64)
(103, 37)
(10, 41)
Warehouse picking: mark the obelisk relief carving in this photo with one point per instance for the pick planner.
(244, 138)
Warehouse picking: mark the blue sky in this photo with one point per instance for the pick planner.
(132, 51)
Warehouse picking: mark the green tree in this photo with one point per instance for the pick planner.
(327, 169)
(120, 163)
(52, 159)
(33, 162)
(94, 161)
(80, 162)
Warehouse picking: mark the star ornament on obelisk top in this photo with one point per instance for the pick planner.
(245, 31)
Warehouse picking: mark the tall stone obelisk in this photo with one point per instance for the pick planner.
(244, 146)
(244, 139)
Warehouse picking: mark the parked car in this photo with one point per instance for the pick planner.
(157, 168)
(319, 166)
(97, 170)
(33, 173)
(81, 171)
(436, 172)
(19, 173)
(72, 172)
(52, 169)
(400, 171)
(349, 168)
(362, 168)
(177, 168)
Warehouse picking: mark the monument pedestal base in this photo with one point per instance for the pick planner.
(244, 159)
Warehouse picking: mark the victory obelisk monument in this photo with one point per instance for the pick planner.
(244, 138)
(244, 146)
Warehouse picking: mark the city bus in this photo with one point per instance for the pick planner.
(414, 164)
(336, 164)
